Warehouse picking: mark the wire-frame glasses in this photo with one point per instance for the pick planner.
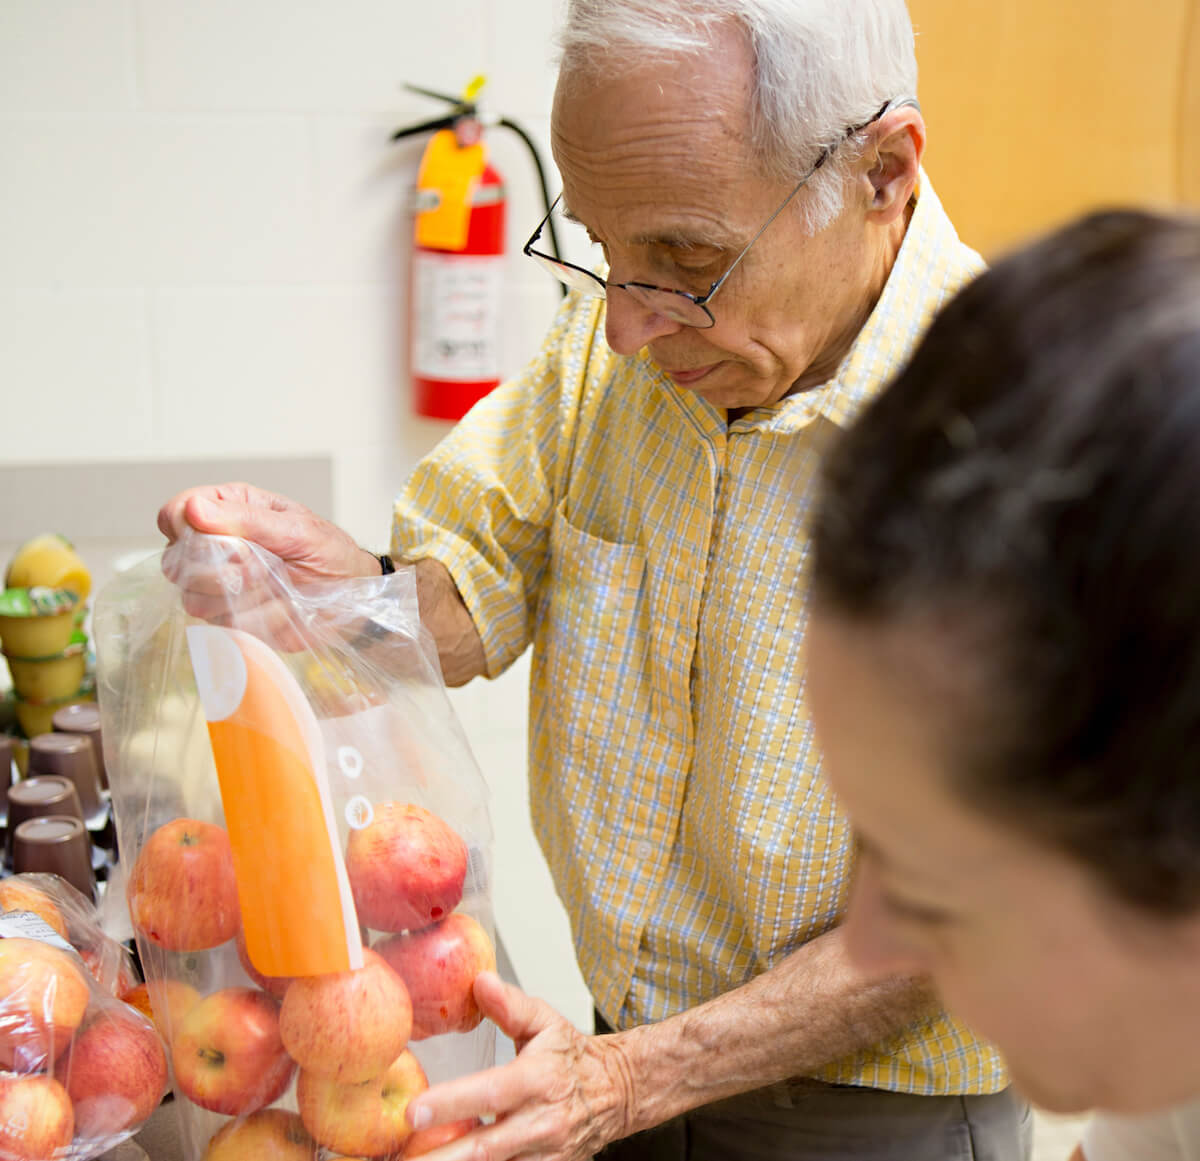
(681, 306)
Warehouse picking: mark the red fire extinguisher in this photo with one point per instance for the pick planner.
(458, 260)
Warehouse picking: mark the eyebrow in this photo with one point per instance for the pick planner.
(677, 239)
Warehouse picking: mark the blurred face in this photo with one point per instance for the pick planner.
(1091, 1004)
(655, 166)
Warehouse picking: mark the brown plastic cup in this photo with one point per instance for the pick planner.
(69, 756)
(36, 797)
(84, 718)
(55, 844)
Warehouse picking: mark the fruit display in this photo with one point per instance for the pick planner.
(182, 892)
(367, 1118)
(346, 1037)
(42, 610)
(228, 1055)
(115, 1072)
(347, 1025)
(82, 1069)
(50, 561)
(311, 898)
(438, 966)
(268, 1135)
(406, 868)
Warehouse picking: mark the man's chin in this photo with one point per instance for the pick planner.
(1051, 1094)
(720, 392)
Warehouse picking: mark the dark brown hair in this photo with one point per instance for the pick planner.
(1031, 483)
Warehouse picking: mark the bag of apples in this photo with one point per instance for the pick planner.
(307, 847)
(83, 1071)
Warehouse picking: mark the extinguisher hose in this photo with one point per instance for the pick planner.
(541, 172)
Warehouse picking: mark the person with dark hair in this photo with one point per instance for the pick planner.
(1004, 672)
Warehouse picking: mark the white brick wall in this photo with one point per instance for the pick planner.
(205, 240)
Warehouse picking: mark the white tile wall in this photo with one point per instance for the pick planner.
(75, 371)
(67, 56)
(271, 55)
(205, 233)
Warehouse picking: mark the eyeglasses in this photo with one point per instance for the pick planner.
(680, 306)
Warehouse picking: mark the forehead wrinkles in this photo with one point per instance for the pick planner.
(650, 176)
(667, 145)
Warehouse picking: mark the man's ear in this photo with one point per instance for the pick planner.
(893, 161)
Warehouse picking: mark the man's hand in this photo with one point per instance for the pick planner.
(310, 548)
(567, 1095)
(564, 1097)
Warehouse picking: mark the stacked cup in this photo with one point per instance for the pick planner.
(46, 831)
(73, 757)
(41, 630)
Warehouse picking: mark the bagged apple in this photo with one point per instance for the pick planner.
(74, 917)
(307, 844)
(82, 1070)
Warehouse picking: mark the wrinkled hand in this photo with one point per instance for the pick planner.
(564, 1097)
(312, 549)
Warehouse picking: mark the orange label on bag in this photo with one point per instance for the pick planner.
(297, 909)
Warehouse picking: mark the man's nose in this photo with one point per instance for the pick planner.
(629, 325)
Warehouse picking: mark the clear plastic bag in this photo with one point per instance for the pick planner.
(306, 842)
(82, 1070)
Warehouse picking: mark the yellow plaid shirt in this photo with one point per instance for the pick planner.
(654, 556)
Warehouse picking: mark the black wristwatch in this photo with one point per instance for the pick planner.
(386, 563)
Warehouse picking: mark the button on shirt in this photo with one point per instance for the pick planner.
(654, 556)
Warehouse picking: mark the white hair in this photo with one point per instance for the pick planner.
(821, 67)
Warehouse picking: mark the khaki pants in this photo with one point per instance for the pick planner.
(805, 1120)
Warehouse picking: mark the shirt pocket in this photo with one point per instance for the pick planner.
(593, 639)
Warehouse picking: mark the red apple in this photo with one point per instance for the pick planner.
(182, 892)
(406, 868)
(16, 895)
(347, 1025)
(36, 1120)
(43, 996)
(438, 966)
(366, 1118)
(268, 1135)
(276, 985)
(426, 1140)
(166, 1002)
(115, 1072)
(227, 1053)
(110, 966)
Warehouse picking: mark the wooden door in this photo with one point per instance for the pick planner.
(1041, 109)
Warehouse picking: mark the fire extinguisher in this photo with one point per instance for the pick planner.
(458, 258)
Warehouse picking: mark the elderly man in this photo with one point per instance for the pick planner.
(633, 506)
